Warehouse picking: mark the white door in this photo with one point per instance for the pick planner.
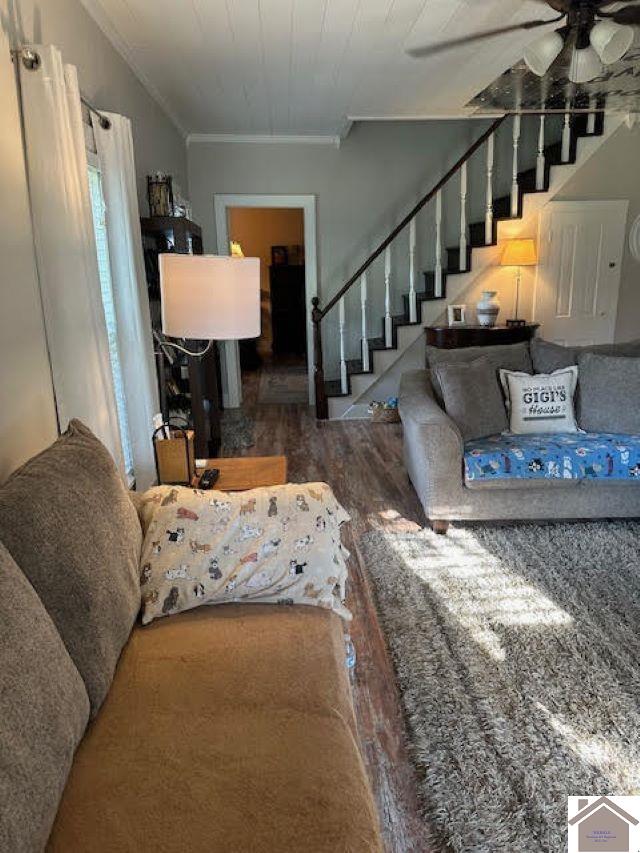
(578, 275)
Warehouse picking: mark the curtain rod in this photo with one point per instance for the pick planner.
(31, 61)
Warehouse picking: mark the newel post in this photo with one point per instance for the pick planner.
(322, 407)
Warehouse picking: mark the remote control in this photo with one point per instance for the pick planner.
(209, 478)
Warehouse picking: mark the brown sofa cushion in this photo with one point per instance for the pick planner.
(227, 728)
(44, 710)
(68, 521)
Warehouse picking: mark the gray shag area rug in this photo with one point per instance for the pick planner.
(237, 430)
(517, 653)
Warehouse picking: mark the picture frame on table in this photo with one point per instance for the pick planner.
(457, 315)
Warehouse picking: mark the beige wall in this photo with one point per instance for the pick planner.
(27, 411)
(614, 173)
(257, 229)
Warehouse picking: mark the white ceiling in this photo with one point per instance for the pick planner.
(307, 67)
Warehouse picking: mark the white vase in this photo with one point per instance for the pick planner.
(488, 308)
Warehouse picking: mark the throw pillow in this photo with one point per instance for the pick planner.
(44, 710)
(69, 523)
(277, 545)
(548, 357)
(508, 356)
(609, 394)
(542, 402)
(472, 397)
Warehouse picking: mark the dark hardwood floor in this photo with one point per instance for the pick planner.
(363, 464)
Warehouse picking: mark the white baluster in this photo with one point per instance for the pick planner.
(463, 217)
(514, 172)
(363, 308)
(437, 273)
(540, 162)
(344, 383)
(566, 134)
(412, 272)
(388, 324)
(488, 219)
(591, 119)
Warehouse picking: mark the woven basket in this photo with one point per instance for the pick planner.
(385, 416)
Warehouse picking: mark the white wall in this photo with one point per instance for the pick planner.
(27, 411)
(363, 189)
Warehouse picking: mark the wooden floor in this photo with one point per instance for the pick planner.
(363, 464)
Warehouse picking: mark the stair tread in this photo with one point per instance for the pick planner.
(501, 211)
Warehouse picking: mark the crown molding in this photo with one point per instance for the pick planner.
(429, 117)
(96, 11)
(265, 138)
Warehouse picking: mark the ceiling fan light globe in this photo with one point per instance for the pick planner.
(585, 65)
(541, 53)
(611, 41)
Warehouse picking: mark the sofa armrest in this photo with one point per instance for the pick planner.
(416, 402)
(433, 445)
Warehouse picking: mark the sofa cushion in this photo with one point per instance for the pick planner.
(570, 456)
(472, 397)
(67, 519)
(609, 393)
(541, 402)
(278, 545)
(508, 356)
(226, 728)
(44, 710)
(547, 356)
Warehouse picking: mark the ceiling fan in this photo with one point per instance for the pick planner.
(595, 37)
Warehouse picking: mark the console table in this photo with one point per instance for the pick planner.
(452, 337)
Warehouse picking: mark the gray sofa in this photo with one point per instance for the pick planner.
(434, 458)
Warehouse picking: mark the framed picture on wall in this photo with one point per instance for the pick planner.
(456, 314)
(279, 256)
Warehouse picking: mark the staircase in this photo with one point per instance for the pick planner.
(455, 267)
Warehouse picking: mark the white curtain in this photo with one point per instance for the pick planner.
(65, 248)
(135, 343)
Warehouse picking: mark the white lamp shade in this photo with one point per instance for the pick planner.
(585, 65)
(210, 297)
(541, 53)
(611, 41)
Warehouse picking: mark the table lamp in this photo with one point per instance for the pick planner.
(520, 252)
(210, 297)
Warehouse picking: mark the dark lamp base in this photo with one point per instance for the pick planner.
(516, 324)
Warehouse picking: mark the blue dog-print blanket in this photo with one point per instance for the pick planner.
(573, 456)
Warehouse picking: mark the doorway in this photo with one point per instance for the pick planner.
(280, 230)
(578, 275)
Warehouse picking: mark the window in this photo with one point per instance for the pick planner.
(104, 268)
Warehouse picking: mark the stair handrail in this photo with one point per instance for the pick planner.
(317, 313)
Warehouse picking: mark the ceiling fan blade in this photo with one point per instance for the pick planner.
(432, 49)
(626, 15)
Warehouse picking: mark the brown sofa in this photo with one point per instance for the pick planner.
(226, 728)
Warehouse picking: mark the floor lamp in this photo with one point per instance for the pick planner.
(212, 298)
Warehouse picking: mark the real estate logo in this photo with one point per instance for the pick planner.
(607, 824)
